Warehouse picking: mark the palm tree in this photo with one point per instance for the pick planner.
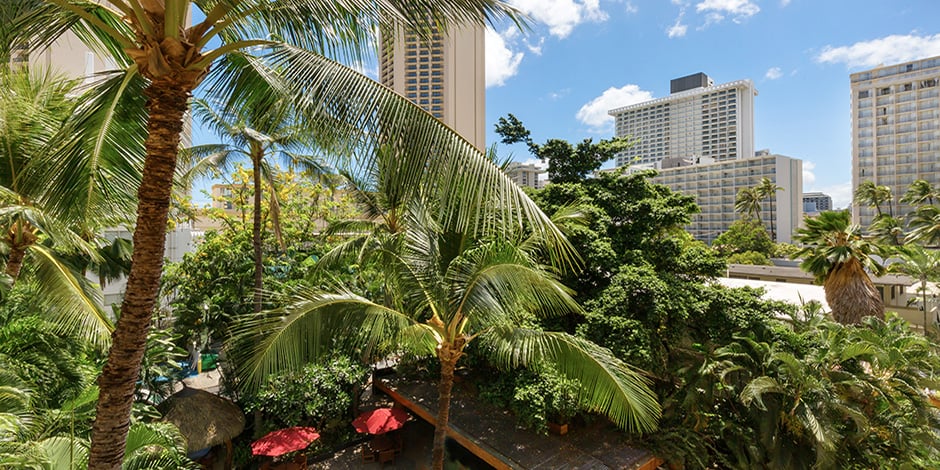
(747, 203)
(921, 264)
(768, 189)
(449, 291)
(872, 195)
(887, 230)
(259, 135)
(265, 49)
(37, 236)
(920, 192)
(924, 224)
(835, 252)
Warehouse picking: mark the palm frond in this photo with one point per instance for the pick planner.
(344, 107)
(288, 338)
(77, 306)
(608, 386)
(98, 158)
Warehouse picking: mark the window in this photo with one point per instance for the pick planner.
(884, 91)
(863, 94)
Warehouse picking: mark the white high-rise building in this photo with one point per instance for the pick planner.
(716, 185)
(701, 139)
(697, 119)
(895, 129)
(446, 77)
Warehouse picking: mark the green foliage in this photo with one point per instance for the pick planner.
(536, 397)
(54, 365)
(827, 396)
(831, 239)
(566, 163)
(629, 221)
(320, 395)
(784, 250)
(744, 235)
(159, 366)
(750, 257)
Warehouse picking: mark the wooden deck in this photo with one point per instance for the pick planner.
(493, 435)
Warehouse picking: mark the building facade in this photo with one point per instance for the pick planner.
(895, 129)
(716, 185)
(527, 175)
(698, 119)
(445, 76)
(816, 202)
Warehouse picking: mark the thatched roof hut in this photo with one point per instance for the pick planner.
(204, 419)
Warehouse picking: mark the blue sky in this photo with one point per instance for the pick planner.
(580, 58)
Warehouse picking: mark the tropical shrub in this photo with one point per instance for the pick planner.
(750, 257)
(322, 395)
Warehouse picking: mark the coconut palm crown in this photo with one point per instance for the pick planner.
(837, 255)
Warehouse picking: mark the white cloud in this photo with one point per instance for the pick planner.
(535, 48)
(557, 95)
(594, 113)
(773, 73)
(369, 69)
(809, 178)
(501, 61)
(784, 3)
(887, 50)
(561, 16)
(739, 9)
(677, 30)
(631, 8)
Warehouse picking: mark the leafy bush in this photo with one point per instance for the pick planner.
(744, 235)
(535, 397)
(750, 257)
(319, 395)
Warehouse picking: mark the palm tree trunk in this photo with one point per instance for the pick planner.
(256, 230)
(20, 237)
(448, 357)
(166, 104)
(851, 295)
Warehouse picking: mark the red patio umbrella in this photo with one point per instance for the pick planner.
(282, 441)
(380, 420)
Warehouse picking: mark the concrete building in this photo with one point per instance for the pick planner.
(895, 129)
(531, 175)
(445, 76)
(715, 186)
(698, 119)
(816, 202)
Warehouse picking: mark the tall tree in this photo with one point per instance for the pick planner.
(872, 195)
(566, 163)
(265, 49)
(767, 189)
(924, 224)
(748, 203)
(263, 136)
(33, 106)
(449, 290)
(920, 192)
(835, 252)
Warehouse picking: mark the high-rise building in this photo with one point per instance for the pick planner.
(816, 202)
(698, 119)
(895, 129)
(527, 175)
(715, 186)
(445, 76)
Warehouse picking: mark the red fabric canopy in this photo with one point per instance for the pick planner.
(381, 420)
(282, 441)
